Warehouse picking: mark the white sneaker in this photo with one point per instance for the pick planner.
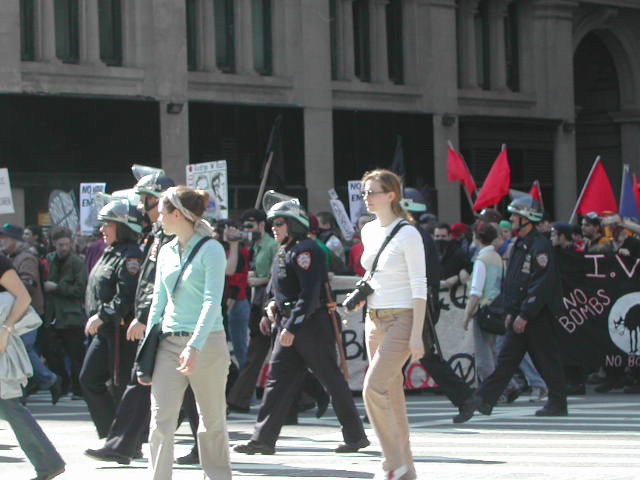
(395, 474)
(538, 394)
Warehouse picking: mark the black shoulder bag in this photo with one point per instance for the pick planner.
(146, 356)
(491, 317)
(363, 289)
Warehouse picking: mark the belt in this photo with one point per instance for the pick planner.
(175, 334)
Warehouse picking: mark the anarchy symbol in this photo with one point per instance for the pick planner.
(458, 295)
(464, 366)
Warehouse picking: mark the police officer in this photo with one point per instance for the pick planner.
(109, 304)
(131, 424)
(304, 333)
(532, 294)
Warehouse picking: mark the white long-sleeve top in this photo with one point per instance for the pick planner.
(401, 272)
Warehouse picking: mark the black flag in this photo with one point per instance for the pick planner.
(274, 147)
(397, 166)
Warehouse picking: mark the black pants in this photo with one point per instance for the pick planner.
(314, 346)
(55, 344)
(456, 389)
(538, 339)
(98, 370)
(130, 427)
(259, 345)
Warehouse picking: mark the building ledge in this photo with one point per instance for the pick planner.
(375, 95)
(210, 86)
(495, 99)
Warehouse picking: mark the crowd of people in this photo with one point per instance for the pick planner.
(262, 285)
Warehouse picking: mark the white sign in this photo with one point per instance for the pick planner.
(62, 210)
(341, 215)
(6, 199)
(88, 206)
(357, 207)
(211, 177)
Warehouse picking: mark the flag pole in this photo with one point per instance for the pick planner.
(466, 192)
(263, 182)
(625, 171)
(537, 182)
(584, 188)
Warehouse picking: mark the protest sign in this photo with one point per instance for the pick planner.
(341, 216)
(88, 207)
(357, 207)
(6, 199)
(63, 211)
(211, 177)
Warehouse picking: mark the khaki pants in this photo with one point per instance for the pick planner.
(208, 382)
(388, 332)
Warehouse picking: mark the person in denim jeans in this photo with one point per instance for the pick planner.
(33, 441)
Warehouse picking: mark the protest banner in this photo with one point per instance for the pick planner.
(63, 211)
(211, 177)
(88, 207)
(341, 216)
(357, 207)
(6, 198)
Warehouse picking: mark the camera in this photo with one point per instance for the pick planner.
(238, 236)
(359, 294)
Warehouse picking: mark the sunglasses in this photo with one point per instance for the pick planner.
(248, 225)
(279, 223)
(369, 193)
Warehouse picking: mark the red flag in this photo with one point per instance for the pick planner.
(636, 189)
(497, 183)
(457, 170)
(536, 192)
(598, 194)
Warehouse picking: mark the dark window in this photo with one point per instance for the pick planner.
(262, 39)
(224, 28)
(110, 15)
(483, 46)
(192, 35)
(362, 46)
(512, 45)
(394, 41)
(67, 30)
(333, 31)
(27, 30)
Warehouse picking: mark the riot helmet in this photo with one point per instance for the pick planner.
(280, 205)
(413, 201)
(153, 184)
(526, 206)
(119, 210)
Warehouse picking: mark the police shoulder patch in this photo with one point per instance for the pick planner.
(542, 259)
(133, 265)
(304, 260)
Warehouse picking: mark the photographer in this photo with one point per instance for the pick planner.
(395, 316)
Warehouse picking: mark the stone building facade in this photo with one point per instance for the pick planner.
(89, 87)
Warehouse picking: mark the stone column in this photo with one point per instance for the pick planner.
(46, 28)
(346, 54)
(313, 82)
(89, 32)
(378, 37)
(169, 70)
(244, 37)
(10, 76)
(498, 58)
(207, 37)
(564, 173)
(467, 10)
(630, 140)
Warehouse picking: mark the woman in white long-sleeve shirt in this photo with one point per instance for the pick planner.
(394, 320)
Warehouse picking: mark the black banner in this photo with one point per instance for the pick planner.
(600, 324)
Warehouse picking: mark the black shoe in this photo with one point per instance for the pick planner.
(254, 447)
(56, 390)
(138, 455)
(323, 404)
(49, 476)
(352, 447)
(513, 394)
(76, 396)
(552, 411)
(610, 385)
(236, 409)
(577, 389)
(106, 454)
(467, 409)
(192, 458)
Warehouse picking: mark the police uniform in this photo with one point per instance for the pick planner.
(298, 277)
(532, 290)
(110, 294)
(131, 424)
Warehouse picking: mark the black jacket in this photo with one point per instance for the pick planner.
(112, 284)
(144, 292)
(299, 274)
(532, 282)
(454, 259)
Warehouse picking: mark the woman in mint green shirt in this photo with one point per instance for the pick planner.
(193, 349)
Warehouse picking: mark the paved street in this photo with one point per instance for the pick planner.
(600, 439)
